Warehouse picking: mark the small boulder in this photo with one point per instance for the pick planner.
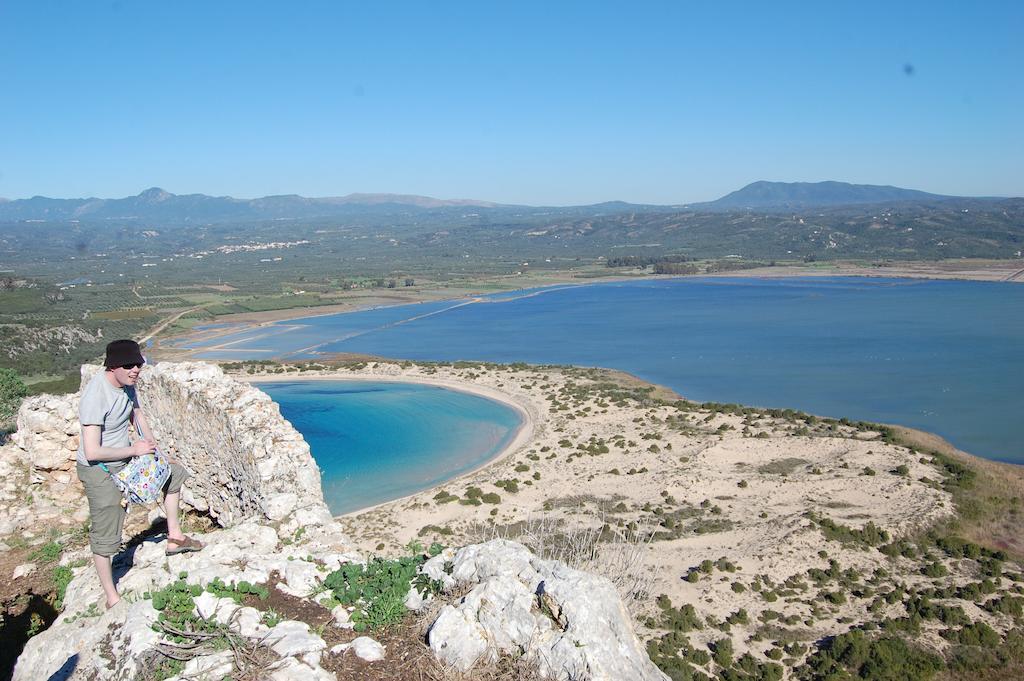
(367, 649)
(291, 637)
(342, 618)
(24, 570)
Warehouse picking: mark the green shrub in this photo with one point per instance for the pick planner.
(976, 634)
(869, 535)
(888, 658)
(12, 392)
(722, 652)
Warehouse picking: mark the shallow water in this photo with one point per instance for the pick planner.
(379, 441)
(943, 356)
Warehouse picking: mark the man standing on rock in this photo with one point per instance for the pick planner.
(108, 410)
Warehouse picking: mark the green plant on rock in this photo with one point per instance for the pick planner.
(221, 590)
(378, 589)
(48, 552)
(176, 603)
(271, 618)
(62, 576)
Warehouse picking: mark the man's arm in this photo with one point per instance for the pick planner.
(95, 452)
(140, 422)
(139, 419)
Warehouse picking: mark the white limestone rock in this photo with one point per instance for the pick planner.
(367, 649)
(582, 632)
(226, 432)
(206, 605)
(209, 667)
(415, 601)
(435, 568)
(248, 461)
(342, 617)
(277, 506)
(24, 570)
(300, 578)
(363, 647)
(291, 669)
(134, 637)
(458, 639)
(249, 622)
(290, 638)
(74, 644)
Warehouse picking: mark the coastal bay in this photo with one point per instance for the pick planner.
(376, 441)
(940, 356)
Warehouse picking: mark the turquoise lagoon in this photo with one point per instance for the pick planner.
(379, 441)
(942, 356)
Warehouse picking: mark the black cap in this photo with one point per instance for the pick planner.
(123, 352)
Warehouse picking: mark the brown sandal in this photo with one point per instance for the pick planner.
(186, 545)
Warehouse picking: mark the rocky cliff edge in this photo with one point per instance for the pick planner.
(254, 476)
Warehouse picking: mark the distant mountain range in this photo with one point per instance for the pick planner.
(774, 195)
(160, 206)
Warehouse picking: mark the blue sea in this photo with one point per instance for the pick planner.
(942, 356)
(379, 441)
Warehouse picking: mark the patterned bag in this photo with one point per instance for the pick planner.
(142, 478)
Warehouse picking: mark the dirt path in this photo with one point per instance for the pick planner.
(167, 322)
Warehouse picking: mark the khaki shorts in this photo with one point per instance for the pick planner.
(106, 514)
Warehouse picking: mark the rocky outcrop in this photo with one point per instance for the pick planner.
(88, 642)
(38, 485)
(570, 623)
(247, 460)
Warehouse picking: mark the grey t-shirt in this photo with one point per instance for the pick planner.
(109, 408)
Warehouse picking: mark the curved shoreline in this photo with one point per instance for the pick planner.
(529, 417)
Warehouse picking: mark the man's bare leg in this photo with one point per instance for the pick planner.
(106, 574)
(171, 501)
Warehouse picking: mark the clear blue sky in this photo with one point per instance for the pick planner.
(540, 103)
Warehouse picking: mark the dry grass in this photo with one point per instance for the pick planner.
(589, 547)
(991, 510)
